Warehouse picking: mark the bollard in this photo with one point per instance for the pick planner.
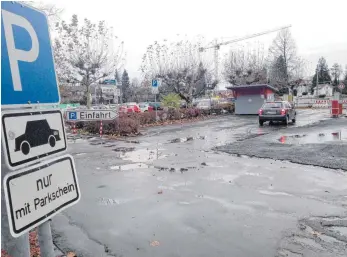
(74, 130)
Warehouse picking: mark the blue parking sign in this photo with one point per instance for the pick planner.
(27, 65)
(154, 83)
(72, 115)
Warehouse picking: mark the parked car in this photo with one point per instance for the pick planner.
(156, 105)
(225, 104)
(281, 111)
(145, 107)
(37, 132)
(204, 104)
(127, 108)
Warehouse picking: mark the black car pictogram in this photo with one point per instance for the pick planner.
(37, 132)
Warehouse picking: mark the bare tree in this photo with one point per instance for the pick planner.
(245, 66)
(135, 83)
(285, 65)
(180, 66)
(53, 13)
(86, 53)
(336, 72)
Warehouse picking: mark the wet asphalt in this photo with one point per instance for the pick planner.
(200, 189)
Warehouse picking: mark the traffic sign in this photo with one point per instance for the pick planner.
(110, 81)
(341, 86)
(155, 83)
(37, 193)
(27, 63)
(28, 136)
(90, 115)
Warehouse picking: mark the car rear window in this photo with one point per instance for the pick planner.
(272, 105)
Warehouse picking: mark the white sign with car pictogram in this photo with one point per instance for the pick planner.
(35, 194)
(29, 136)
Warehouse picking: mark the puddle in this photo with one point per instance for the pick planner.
(109, 201)
(144, 155)
(252, 174)
(265, 192)
(112, 145)
(123, 149)
(96, 143)
(340, 230)
(130, 166)
(78, 154)
(186, 139)
(339, 135)
(181, 140)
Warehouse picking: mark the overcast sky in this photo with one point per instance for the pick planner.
(318, 27)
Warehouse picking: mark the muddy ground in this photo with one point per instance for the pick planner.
(176, 191)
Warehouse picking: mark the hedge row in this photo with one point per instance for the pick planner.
(129, 123)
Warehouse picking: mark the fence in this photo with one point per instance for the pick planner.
(317, 103)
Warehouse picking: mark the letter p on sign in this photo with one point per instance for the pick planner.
(15, 55)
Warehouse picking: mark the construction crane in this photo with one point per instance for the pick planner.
(217, 46)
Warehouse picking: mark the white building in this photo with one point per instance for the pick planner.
(324, 89)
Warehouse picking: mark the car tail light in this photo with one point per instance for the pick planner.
(283, 112)
(260, 112)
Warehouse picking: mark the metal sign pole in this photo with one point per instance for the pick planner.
(45, 240)
(156, 107)
(15, 247)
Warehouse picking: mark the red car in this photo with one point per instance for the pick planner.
(129, 108)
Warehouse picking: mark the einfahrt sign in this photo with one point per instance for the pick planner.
(91, 115)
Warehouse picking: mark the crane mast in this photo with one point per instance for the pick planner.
(217, 45)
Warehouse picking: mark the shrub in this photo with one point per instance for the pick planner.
(171, 100)
(128, 123)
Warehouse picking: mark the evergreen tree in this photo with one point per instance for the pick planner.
(126, 91)
(323, 73)
(278, 72)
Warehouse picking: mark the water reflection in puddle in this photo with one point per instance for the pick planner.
(130, 166)
(340, 135)
(143, 155)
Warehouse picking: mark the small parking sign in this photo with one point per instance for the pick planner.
(72, 115)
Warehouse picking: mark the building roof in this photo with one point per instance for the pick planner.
(252, 86)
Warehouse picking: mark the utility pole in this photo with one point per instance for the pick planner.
(317, 81)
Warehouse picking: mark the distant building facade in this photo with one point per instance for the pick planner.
(324, 89)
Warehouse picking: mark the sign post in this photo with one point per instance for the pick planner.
(28, 79)
(155, 90)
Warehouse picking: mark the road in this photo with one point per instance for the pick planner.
(177, 191)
